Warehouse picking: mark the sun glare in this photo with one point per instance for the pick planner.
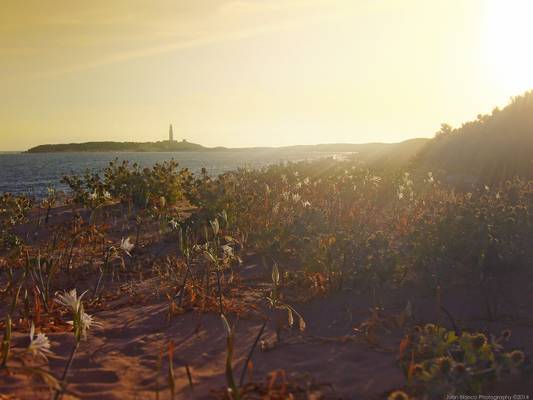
(509, 40)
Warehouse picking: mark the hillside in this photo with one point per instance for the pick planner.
(373, 154)
(394, 155)
(117, 147)
(376, 155)
(492, 148)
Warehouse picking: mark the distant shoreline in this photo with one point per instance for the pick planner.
(109, 146)
(166, 146)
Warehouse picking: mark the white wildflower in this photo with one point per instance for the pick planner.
(86, 321)
(408, 309)
(215, 226)
(228, 250)
(39, 345)
(126, 246)
(70, 300)
(296, 197)
(82, 321)
(224, 215)
(173, 224)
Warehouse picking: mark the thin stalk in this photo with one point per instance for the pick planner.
(97, 286)
(452, 320)
(71, 254)
(137, 234)
(6, 342)
(217, 266)
(171, 377)
(159, 366)
(189, 376)
(47, 214)
(233, 390)
(59, 393)
(187, 273)
(219, 291)
(250, 354)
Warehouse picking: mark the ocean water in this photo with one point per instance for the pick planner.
(32, 174)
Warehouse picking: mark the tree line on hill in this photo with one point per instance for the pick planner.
(492, 148)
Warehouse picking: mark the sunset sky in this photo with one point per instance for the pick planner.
(255, 72)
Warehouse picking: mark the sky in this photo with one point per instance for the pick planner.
(242, 73)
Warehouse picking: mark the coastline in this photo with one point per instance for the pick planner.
(164, 147)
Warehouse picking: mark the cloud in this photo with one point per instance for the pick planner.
(240, 7)
(200, 40)
(98, 36)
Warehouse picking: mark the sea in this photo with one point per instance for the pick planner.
(33, 173)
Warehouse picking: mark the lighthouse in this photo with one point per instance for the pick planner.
(170, 134)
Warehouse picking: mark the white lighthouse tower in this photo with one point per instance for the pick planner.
(170, 134)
